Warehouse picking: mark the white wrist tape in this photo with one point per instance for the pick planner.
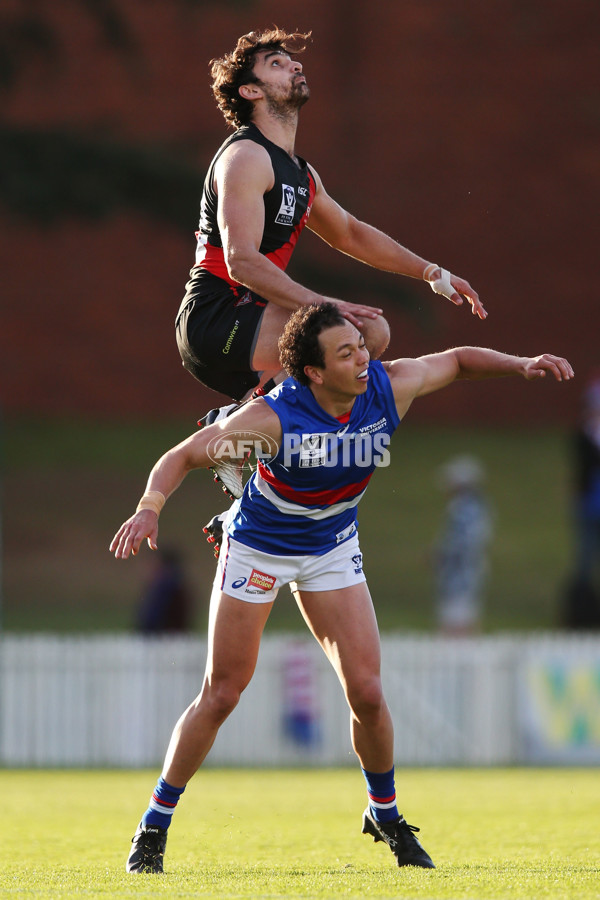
(429, 270)
(442, 285)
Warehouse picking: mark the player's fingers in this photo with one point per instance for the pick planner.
(556, 365)
(355, 312)
(554, 369)
(117, 542)
(136, 538)
(119, 549)
(372, 312)
(478, 309)
(464, 289)
(352, 318)
(128, 545)
(128, 541)
(562, 369)
(566, 368)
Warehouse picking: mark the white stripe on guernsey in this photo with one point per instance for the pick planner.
(158, 807)
(201, 248)
(382, 805)
(294, 509)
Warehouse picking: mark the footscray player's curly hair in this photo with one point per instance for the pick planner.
(299, 344)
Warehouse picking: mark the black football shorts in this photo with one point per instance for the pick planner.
(216, 331)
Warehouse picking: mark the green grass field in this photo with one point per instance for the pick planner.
(67, 486)
(522, 834)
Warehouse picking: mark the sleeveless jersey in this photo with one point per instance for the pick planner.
(287, 207)
(303, 500)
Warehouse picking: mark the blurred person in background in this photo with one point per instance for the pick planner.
(581, 603)
(301, 715)
(166, 602)
(460, 553)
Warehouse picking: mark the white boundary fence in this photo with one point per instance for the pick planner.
(113, 700)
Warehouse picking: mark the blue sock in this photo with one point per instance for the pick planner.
(382, 795)
(162, 804)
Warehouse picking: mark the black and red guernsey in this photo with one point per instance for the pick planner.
(287, 207)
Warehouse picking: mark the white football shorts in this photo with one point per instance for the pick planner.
(256, 577)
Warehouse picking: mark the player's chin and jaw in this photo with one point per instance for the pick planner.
(300, 92)
(341, 378)
(283, 104)
(358, 385)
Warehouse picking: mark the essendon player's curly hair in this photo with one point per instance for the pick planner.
(235, 69)
(299, 345)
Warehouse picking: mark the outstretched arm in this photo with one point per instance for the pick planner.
(348, 234)
(412, 378)
(254, 424)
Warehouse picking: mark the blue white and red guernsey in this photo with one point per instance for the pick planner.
(302, 502)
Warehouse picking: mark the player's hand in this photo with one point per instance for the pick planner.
(537, 366)
(355, 312)
(455, 289)
(129, 537)
(463, 288)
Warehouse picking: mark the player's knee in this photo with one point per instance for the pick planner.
(377, 336)
(221, 699)
(366, 698)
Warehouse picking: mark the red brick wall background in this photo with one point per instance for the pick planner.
(468, 131)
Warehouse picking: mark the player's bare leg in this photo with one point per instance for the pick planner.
(344, 623)
(235, 629)
(234, 632)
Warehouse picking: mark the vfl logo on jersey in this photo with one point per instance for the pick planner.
(313, 451)
(261, 580)
(285, 216)
(357, 562)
